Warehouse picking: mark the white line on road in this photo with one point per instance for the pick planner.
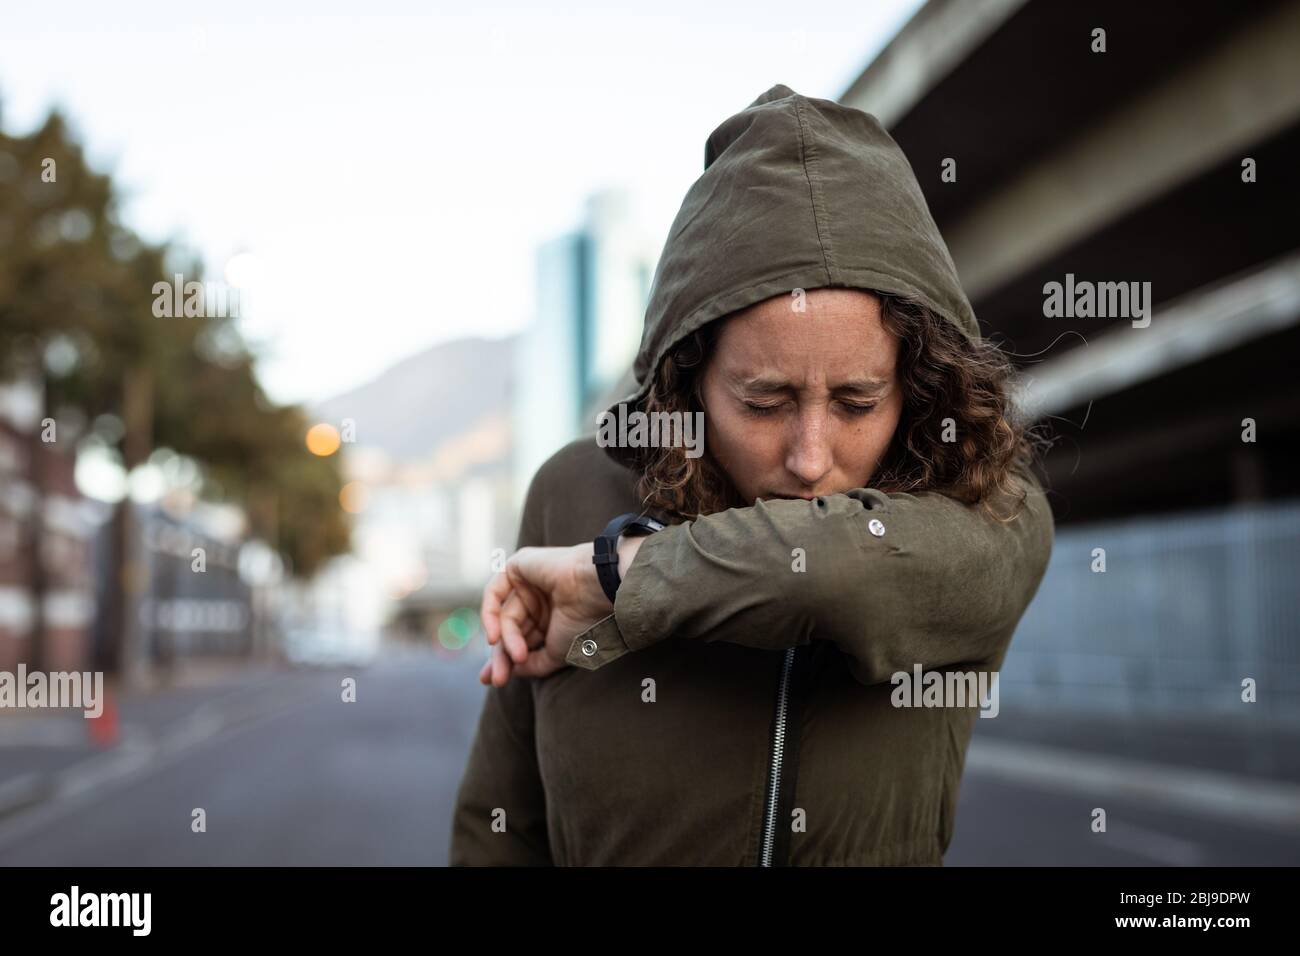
(1242, 800)
(83, 782)
(1161, 847)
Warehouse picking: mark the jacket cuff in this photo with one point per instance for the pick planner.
(597, 645)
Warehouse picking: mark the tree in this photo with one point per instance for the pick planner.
(76, 297)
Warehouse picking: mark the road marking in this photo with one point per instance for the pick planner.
(76, 786)
(1243, 800)
(1161, 847)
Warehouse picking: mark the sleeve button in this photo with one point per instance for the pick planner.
(589, 648)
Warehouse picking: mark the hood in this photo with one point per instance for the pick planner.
(796, 193)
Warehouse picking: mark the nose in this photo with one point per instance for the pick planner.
(809, 457)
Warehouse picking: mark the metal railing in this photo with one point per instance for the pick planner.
(1187, 608)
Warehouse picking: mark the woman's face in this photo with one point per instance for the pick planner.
(802, 404)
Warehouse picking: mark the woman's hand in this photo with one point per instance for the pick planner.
(533, 609)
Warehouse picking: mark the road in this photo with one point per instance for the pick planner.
(287, 773)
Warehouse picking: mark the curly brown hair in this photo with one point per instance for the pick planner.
(943, 376)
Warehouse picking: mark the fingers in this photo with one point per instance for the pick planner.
(515, 614)
(515, 623)
(498, 668)
(537, 607)
(494, 595)
(493, 672)
(498, 591)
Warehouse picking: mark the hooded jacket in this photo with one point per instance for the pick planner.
(738, 706)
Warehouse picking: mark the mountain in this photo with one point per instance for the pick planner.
(430, 399)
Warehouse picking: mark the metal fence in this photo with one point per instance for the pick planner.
(1187, 608)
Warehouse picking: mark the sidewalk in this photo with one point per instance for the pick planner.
(1234, 771)
(1242, 747)
(41, 750)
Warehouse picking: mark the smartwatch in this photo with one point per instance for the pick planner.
(606, 548)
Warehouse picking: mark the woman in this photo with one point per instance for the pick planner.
(863, 509)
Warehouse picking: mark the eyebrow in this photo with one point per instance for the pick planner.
(766, 385)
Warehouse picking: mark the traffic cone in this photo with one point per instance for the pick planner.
(104, 728)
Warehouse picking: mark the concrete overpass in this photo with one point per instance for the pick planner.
(1123, 165)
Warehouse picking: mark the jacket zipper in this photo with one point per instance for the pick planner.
(778, 751)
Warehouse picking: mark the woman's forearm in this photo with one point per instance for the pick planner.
(894, 580)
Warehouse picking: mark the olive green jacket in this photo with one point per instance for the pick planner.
(737, 707)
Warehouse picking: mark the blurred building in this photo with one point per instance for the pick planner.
(194, 604)
(593, 285)
(1119, 142)
(42, 514)
(188, 598)
(431, 459)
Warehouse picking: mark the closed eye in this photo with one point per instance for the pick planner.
(857, 408)
(853, 408)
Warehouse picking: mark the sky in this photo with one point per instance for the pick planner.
(386, 170)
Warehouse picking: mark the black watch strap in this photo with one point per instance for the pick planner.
(605, 557)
